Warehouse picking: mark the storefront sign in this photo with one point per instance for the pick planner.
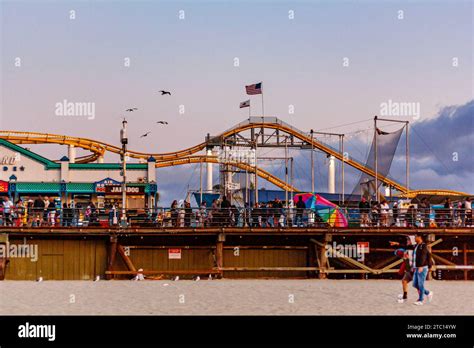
(3, 186)
(174, 254)
(131, 190)
(10, 160)
(99, 186)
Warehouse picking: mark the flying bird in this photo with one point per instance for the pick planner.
(144, 135)
(165, 92)
(162, 122)
(131, 109)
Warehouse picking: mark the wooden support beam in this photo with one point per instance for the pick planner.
(125, 258)
(323, 259)
(111, 253)
(359, 271)
(342, 256)
(465, 259)
(276, 269)
(389, 260)
(3, 260)
(443, 260)
(220, 251)
(166, 272)
(3, 267)
(311, 259)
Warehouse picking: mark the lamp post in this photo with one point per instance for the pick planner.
(124, 141)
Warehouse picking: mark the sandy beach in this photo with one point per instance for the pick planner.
(230, 297)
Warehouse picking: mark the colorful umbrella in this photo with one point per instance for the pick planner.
(328, 211)
(309, 199)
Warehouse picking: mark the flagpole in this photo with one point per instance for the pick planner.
(249, 109)
(263, 109)
(375, 160)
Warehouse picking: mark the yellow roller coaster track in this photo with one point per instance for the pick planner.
(184, 156)
(213, 159)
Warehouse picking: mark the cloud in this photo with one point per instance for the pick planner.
(445, 143)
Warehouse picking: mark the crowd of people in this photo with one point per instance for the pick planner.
(222, 213)
(383, 214)
(44, 211)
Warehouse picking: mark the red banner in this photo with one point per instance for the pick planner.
(3, 186)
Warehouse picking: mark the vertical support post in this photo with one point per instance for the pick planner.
(430, 239)
(112, 252)
(71, 154)
(291, 178)
(124, 141)
(256, 175)
(332, 175)
(323, 257)
(312, 161)
(375, 160)
(3, 260)
(342, 168)
(200, 183)
(286, 171)
(407, 159)
(209, 172)
(465, 259)
(220, 251)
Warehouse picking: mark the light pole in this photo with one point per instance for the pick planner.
(124, 141)
(312, 161)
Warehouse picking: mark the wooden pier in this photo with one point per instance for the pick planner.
(85, 253)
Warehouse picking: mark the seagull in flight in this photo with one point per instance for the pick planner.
(164, 92)
(144, 135)
(131, 109)
(162, 122)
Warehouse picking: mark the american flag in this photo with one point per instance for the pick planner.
(254, 89)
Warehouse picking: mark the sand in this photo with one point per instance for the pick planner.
(230, 297)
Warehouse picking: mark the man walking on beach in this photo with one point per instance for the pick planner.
(421, 264)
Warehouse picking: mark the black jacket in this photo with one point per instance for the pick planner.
(422, 256)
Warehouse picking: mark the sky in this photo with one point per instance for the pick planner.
(333, 62)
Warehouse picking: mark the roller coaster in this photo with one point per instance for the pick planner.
(232, 136)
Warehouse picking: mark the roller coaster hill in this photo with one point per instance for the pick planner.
(244, 243)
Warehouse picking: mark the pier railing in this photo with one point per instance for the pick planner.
(264, 217)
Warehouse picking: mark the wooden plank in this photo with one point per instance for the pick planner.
(167, 272)
(279, 269)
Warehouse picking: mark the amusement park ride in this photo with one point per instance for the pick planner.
(251, 133)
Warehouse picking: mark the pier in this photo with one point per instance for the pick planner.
(227, 252)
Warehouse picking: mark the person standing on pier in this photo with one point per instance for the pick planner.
(424, 209)
(421, 263)
(7, 211)
(467, 213)
(300, 207)
(364, 208)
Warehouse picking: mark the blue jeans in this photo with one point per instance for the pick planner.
(419, 282)
(299, 220)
